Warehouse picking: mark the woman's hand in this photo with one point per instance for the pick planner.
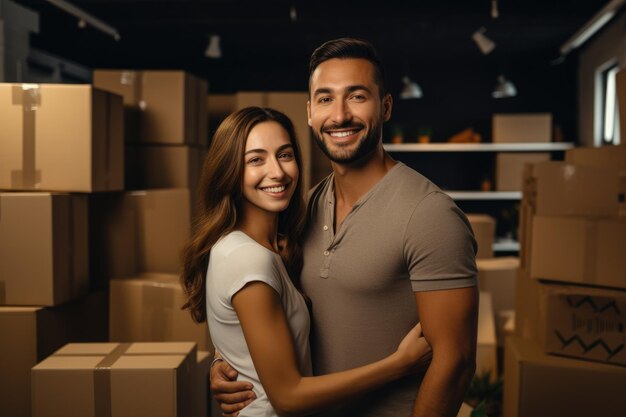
(414, 351)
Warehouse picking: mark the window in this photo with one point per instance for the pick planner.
(610, 127)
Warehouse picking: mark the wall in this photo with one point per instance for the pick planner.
(609, 44)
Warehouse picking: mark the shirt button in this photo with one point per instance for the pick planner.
(326, 253)
(325, 227)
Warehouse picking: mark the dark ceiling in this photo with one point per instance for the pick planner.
(264, 49)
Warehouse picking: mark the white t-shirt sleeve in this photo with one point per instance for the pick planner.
(244, 264)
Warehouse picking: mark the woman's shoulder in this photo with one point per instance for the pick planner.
(237, 245)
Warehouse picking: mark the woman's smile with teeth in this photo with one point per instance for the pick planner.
(275, 189)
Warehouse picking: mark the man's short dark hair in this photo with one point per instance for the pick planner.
(345, 48)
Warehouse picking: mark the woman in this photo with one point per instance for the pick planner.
(238, 264)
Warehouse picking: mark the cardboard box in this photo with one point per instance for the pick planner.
(522, 127)
(484, 228)
(60, 137)
(201, 385)
(43, 248)
(134, 379)
(540, 385)
(620, 87)
(176, 166)
(613, 157)
(167, 107)
(510, 168)
(138, 231)
(486, 349)
(147, 308)
(497, 276)
(30, 334)
(581, 250)
(559, 188)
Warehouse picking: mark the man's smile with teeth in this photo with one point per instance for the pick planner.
(275, 189)
(342, 134)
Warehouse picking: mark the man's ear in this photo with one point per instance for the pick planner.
(387, 105)
(308, 112)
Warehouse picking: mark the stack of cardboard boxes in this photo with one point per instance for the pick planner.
(568, 354)
(83, 258)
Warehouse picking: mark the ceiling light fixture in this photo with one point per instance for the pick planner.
(85, 18)
(213, 50)
(495, 13)
(504, 88)
(293, 14)
(485, 44)
(590, 28)
(411, 89)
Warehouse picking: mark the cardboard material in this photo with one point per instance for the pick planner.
(522, 127)
(559, 188)
(620, 87)
(151, 166)
(167, 107)
(486, 350)
(201, 385)
(613, 157)
(540, 385)
(30, 334)
(484, 228)
(497, 276)
(510, 167)
(43, 248)
(112, 379)
(147, 308)
(579, 250)
(138, 231)
(59, 137)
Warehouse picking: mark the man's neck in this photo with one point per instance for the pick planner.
(354, 180)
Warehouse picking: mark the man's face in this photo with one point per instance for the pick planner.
(345, 110)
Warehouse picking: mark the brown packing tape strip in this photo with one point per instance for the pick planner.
(157, 303)
(102, 381)
(590, 260)
(108, 141)
(29, 97)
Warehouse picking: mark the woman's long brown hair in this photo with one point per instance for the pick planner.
(219, 204)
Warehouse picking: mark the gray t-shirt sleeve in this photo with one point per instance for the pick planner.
(439, 245)
(244, 264)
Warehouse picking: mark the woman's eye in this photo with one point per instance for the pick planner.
(254, 161)
(286, 155)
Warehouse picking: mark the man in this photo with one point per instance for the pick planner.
(385, 249)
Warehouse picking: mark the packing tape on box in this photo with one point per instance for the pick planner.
(107, 140)
(102, 380)
(29, 97)
(158, 303)
(590, 259)
(134, 79)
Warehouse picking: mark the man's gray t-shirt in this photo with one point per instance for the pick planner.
(404, 235)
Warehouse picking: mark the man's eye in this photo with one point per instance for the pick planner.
(324, 100)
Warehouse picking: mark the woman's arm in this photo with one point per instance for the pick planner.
(269, 340)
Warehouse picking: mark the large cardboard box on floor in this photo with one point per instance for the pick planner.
(510, 168)
(147, 308)
(583, 250)
(167, 107)
(497, 276)
(137, 231)
(43, 248)
(486, 350)
(522, 127)
(30, 334)
(134, 379)
(540, 385)
(59, 137)
(484, 228)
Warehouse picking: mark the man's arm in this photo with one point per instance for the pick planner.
(230, 394)
(449, 321)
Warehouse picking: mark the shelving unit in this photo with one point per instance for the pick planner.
(471, 198)
(478, 147)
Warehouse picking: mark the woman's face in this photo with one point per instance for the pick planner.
(270, 171)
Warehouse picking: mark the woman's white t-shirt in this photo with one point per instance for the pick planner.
(236, 260)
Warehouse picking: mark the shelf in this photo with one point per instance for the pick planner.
(485, 195)
(478, 147)
(506, 246)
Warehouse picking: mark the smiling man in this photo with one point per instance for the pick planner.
(385, 248)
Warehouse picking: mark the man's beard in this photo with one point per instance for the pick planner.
(344, 156)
